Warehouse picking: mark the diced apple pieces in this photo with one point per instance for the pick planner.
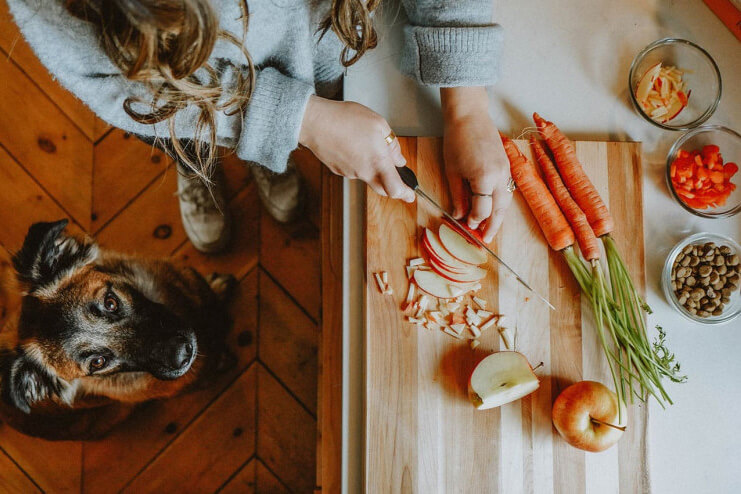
(661, 93)
(459, 247)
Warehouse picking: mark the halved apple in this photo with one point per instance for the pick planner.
(437, 286)
(474, 273)
(501, 378)
(459, 247)
(647, 82)
(431, 242)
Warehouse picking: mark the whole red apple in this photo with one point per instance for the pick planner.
(586, 416)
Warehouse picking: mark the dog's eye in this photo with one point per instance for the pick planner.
(110, 303)
(98, 363)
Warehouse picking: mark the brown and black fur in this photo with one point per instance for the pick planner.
(157, 329)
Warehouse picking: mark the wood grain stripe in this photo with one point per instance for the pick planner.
(626, 192)
(566, 368)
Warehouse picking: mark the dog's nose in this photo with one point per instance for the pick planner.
(182, 352)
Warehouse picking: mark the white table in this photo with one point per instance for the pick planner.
(569, 61)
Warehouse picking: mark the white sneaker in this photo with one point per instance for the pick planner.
(282, 194)
(203, 211)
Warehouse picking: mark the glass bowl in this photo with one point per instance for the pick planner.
(731, 310)
(701, 75)
(729, 143)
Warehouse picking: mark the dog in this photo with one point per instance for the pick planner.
(94, 333)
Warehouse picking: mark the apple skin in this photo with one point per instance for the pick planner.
(574, 410)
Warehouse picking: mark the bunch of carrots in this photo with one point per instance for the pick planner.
(570, 211)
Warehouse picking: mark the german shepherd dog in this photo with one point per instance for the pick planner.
(96, 332)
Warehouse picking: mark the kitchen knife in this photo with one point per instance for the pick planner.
(409, 178)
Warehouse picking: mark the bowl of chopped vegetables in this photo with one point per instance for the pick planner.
(702, 171)
(674, 84)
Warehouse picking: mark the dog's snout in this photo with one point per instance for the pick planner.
(181, 353)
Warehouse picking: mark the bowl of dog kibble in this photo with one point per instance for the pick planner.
(701, 278)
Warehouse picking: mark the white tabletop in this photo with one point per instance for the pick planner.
(569, 61)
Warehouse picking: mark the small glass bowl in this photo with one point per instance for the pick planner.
(729, 143)
(700, 73)
(731, 310)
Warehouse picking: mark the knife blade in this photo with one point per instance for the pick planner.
(410, 179)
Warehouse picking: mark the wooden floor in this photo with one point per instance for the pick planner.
(252, 431)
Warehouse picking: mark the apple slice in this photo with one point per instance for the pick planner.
(431, 242)
(437, 286)
(474, 273)
(459, 247)
(673, 109)
(458, 267)
(501, 378)
(647, 82)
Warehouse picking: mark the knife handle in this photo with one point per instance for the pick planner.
(408, 176)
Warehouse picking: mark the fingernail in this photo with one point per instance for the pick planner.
(488, 239)
(473, 224)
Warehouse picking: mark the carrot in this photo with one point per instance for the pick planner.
(576, 180)
(556, 229)
(576, 217)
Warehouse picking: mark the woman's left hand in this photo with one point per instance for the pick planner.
(476, 165)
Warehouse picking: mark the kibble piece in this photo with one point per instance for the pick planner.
(690, 281)
(683, 299)
(692, 310)
(732, 280)
(694, 261)
(697, 293)
(722, 269)
(717, 285)
(732, 260)
(709, 292)
(683, 272)
(703, 313)
(705, 270)
(718, 312)
(685, 261)
(724, 249)
(719, 261)
(705, 281)
(708, 246)
(714, 276)
(688, 248)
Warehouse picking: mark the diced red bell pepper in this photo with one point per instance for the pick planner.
(729, 170)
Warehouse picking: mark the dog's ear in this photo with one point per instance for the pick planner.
(27, 382)
(47, 253)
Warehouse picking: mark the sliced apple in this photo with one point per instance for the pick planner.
(459, 247)
(673, 109)
(437, 286)
(474, 273)
(434, 247)
(501, 378)
(647, 82)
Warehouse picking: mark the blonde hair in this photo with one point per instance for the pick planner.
(162, 43)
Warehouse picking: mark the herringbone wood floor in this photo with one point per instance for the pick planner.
(252, 431)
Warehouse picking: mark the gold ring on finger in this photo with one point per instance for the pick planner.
(390, 138)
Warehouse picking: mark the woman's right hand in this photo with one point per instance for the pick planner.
(350, 139)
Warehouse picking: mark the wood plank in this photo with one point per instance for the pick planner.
(150, 225)
(329, 406)
(415, 440)
(286, 434)
(242, 254)
(13, 479)
(625, 192)
(288, 342)
(15, 47)
(212, 448)
(156, 424)
(24, 203)
(41, 137)
(290, 254)
(124, 166)
(55, 466)
(243, 482)
(390, 223)
(267, 482)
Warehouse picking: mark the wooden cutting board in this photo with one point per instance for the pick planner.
(421, 433)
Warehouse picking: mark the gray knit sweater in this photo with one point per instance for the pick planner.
(447, 43)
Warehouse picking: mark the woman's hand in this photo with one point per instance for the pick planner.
(350, 139)
(476, 165)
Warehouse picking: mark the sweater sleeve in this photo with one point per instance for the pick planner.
(265, 132)
(449, 43)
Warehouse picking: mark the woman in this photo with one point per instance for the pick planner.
(191, 75)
